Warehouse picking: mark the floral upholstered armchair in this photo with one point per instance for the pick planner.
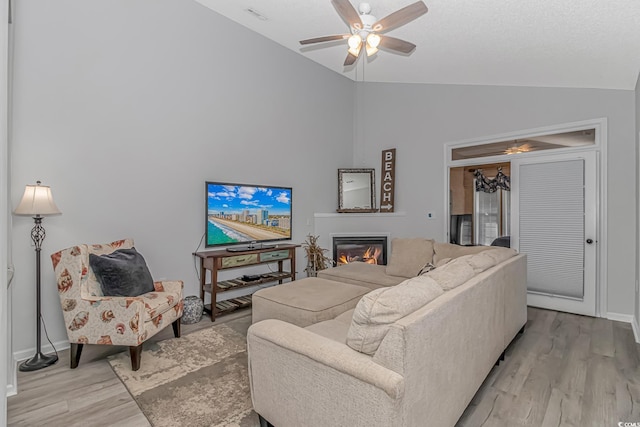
(92, 318)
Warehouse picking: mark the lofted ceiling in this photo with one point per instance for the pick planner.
(550, 43)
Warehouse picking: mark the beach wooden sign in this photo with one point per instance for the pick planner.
(387, 188)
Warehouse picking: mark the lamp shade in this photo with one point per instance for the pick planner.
(37, 200)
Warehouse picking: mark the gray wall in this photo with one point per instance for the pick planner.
(126, 107)
(419, 119)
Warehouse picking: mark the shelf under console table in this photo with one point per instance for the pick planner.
(219, 260)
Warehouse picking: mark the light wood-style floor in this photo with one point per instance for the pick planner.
(90, 395)
(565, 370)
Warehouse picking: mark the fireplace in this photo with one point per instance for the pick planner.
(369, 249)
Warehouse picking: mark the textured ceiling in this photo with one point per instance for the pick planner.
(553, 43)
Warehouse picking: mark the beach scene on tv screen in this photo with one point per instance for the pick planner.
(238, 213)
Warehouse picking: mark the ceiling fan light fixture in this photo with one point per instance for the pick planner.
(354, 42)
(371, 50)
(518, 147)
(373, 40)
(363, 27)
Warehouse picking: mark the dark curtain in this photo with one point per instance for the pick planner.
(491, 185)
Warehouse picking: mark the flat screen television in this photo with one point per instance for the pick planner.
(244, 213)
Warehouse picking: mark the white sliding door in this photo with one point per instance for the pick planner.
(554, 202)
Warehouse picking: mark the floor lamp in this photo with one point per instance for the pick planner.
(37, 202)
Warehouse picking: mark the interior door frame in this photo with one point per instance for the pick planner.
(600, 147)
(588, 304)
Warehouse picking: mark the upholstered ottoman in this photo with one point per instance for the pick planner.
(306, 301)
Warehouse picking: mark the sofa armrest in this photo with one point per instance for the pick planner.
(328, 354)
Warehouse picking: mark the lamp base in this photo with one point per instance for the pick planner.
(38, 361)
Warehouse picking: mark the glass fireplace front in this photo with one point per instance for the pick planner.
(369, 249)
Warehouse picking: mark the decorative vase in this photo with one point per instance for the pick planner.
(192, 311)
(311, 270)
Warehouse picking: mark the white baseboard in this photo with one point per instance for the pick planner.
(636, 329)
(12, 378)
(618, 317)
(19, 356)
(627, 318)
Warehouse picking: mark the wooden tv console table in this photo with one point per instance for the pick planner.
(217, 260)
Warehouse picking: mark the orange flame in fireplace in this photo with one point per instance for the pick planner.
(370, 256)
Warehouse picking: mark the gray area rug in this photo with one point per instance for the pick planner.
(197, 380)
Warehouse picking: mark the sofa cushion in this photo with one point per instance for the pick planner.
(453, 274)
(345, 317)
(155, 303)
(457, 271)
(379, 309)
(487, 259)
(409, 256)
(361, 274)
(442, 262)
(334, 329)
(449, 250)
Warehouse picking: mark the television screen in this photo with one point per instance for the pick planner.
(241, 213)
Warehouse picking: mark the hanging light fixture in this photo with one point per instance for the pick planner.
(355, 43)
(373, 41)
(366, 29)
(518, 147)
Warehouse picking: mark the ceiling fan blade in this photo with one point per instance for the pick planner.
(325, 39)
(350, 59)
(393, 43)
(347, 12)
(401, 17)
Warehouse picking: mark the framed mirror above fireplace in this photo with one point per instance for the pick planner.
(356, 190)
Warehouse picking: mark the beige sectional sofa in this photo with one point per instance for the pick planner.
(410, 351)
(408, 257)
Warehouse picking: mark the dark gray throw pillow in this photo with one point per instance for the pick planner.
(122, 273)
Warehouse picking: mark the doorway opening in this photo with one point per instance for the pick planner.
(499, 215)
(479, 214)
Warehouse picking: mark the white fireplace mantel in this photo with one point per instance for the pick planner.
(391, 224)
(358, 214)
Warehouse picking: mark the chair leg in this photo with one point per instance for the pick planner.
(76, 351)
(264, 422)
(136, 355)
(176, 328)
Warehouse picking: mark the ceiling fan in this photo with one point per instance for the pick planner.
(518, 148)
(366, 29)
